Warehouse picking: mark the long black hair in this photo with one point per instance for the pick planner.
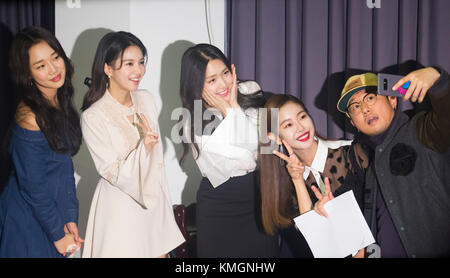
(60, 125)
(193, 67)
(110, 47)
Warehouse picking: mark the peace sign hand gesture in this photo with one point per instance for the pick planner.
(150, 137)
(322, 199)
(294, 166)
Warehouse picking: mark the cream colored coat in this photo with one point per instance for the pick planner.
(131, 212)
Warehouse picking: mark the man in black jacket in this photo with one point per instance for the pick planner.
(407, 193)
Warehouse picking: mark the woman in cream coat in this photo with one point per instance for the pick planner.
(131, 213)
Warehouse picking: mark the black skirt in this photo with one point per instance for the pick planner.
(229, 221)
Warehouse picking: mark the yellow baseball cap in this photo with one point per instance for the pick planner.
(355, 84)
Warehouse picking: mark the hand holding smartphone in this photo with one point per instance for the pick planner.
(387, 81)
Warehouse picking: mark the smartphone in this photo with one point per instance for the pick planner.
(387, 81)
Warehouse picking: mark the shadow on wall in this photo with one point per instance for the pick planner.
(82, 58)
(170, 96)
(328, 97)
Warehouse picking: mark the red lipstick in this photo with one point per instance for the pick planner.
(303, 136)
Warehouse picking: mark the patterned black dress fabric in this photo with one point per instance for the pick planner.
(345, 168)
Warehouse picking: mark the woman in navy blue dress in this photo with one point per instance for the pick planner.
(38, 207)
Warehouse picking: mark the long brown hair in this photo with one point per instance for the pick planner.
(278, 204)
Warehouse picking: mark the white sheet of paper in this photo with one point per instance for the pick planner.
(343, 233)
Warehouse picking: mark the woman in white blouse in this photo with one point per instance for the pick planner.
(131, 213)
(224, 144)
